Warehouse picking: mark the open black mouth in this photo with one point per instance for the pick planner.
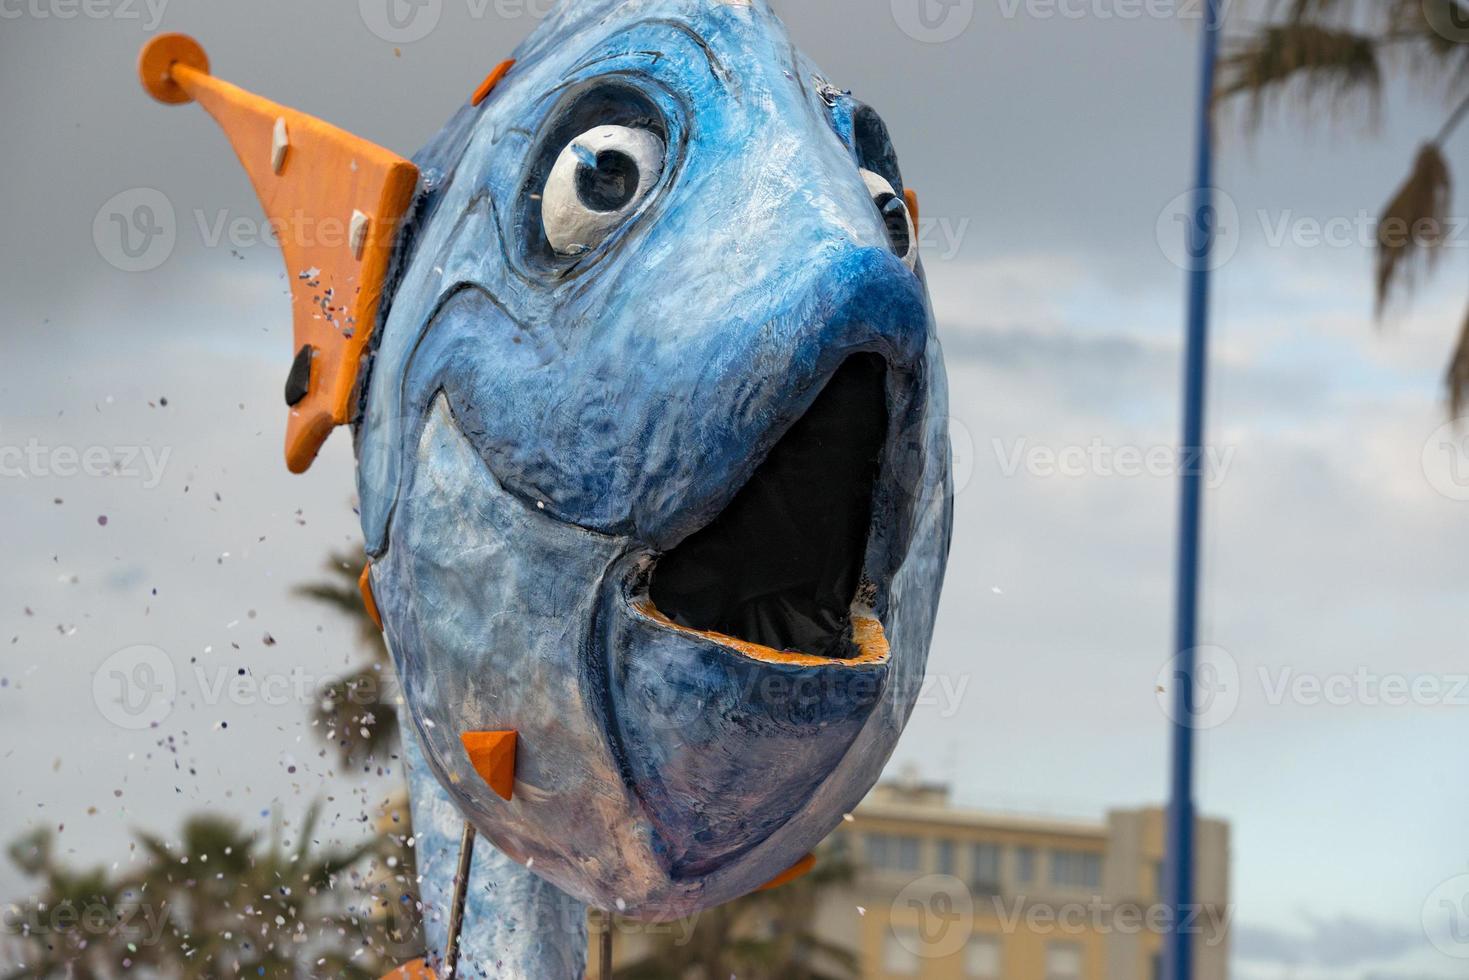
(782, 566)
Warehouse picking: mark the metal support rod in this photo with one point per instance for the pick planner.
(1179, 865)
(461, 892)
(606, 966)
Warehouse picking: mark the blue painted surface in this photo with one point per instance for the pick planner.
(538, 429)
(1179, 861)
(518, 926)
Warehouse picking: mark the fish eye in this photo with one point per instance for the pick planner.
(895, 217)
(597, 181)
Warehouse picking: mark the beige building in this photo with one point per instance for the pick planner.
(956, 894)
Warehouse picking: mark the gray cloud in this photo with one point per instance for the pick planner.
(1339, 942)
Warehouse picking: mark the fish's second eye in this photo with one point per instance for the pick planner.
(895, 217)
(596, 182)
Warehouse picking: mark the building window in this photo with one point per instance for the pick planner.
(907, 853)
(945, 857)
(1076, 869)
(1063, 961)
(982, 958)
(887, 853)
(1025, 864)
(879, 851)
(1160, 880)
(984, 867)
(898, 954)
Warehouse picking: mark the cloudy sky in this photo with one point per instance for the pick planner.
(1049, 144)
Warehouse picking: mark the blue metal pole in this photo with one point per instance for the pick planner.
(1179, 866)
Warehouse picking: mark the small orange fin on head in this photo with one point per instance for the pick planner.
(412, 971)
(493, 756)
(369, 601)
(491, 80)
(911, 197)
(790, 874)
(334, 201)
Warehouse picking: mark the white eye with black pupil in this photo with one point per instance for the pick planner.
(596, 183)
(895, 217)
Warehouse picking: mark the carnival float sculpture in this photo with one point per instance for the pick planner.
(652, 452)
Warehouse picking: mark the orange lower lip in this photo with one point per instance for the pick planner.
(867, 634)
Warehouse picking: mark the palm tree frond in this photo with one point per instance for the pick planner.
(1457, 377)
(1412, 224)
(1322, 61)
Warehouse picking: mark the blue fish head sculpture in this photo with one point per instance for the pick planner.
(654, 461)
(651, 428)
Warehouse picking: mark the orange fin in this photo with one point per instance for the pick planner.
(911, 197)
(415, 970)
(491, 80)
(790, 874)
(369, 601)
(493, 756)
(335, 202)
